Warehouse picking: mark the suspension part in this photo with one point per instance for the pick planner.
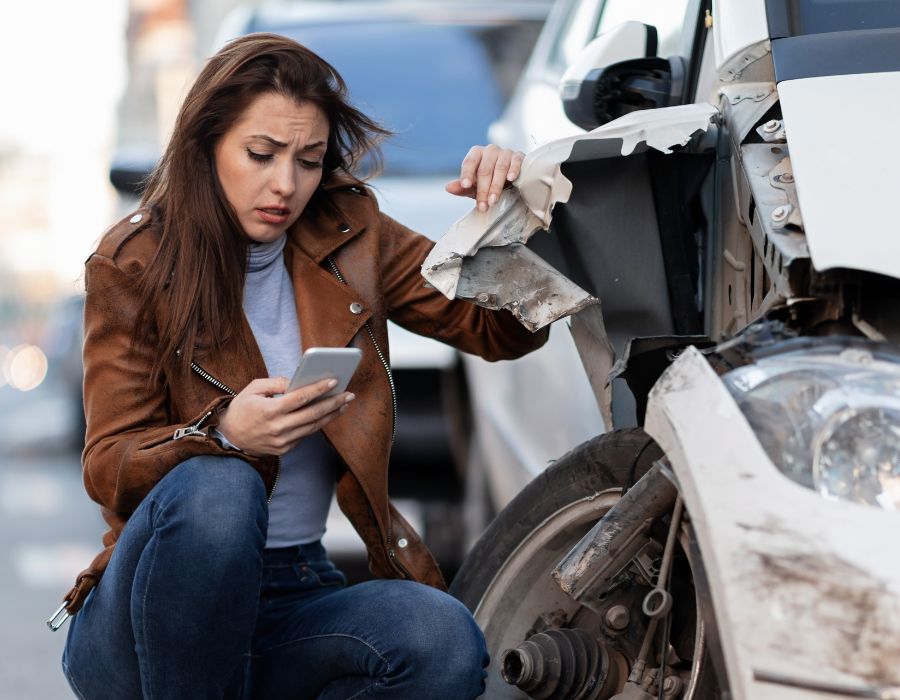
(564, 664)
(591, 568)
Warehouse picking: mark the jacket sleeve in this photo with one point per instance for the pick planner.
(493, 335)
(130, 442)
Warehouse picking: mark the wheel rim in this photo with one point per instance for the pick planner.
(523, 587)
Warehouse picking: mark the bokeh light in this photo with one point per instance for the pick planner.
(24, 367)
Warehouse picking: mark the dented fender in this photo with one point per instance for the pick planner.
(806, 590)
(482, 258)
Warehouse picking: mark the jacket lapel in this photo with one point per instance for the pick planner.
(330, 313)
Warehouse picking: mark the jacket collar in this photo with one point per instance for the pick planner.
(321, 235)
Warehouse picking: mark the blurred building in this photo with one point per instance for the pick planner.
(167, 42)
(160, 56)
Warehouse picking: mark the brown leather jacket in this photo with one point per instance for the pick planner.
(136, 434)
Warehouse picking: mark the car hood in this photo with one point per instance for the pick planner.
(845, 155)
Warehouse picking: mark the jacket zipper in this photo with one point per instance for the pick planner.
(381, 356)
(192, 429)
(195, 429)
(389, 546)
(212, 380)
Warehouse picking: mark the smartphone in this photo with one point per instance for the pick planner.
(322, 363)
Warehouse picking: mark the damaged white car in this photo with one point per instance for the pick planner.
(724, 243)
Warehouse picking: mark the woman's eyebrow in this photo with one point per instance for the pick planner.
(279, 144)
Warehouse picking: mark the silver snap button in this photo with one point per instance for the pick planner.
(356, 307)
(136, 219)
(402, 542)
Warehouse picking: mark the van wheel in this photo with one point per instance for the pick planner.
(505, 580)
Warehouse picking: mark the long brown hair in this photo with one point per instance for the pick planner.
(199, 269)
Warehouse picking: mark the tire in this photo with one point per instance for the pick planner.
(606, 462)
(505, 582)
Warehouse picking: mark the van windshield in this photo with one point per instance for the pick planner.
(821, 16)
(436, 86)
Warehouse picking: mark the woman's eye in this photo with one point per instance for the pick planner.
(259, 157)
(311, 164)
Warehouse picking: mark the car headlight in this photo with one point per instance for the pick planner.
(828, 420)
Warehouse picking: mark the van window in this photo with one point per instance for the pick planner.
(823, 16)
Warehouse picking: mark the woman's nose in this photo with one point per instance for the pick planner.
(284, 179)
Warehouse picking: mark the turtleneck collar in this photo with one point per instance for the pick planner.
(261, 255)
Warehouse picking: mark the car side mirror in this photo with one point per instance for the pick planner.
(619, 72)
(130, 169)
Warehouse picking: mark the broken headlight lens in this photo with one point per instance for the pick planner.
(828, 421)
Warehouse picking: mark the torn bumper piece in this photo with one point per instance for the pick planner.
(515, 278)
(482, 257)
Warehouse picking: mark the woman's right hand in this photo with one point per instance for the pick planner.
(260, 422)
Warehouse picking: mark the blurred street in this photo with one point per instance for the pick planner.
(49, 531)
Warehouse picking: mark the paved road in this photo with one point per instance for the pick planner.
(49, 531)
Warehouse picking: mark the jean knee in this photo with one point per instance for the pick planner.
(442, 634)
(219, 501)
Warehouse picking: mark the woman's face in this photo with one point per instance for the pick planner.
(269, 163)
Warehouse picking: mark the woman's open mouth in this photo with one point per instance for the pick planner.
(274, 215)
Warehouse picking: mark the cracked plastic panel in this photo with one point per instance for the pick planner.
(511, 276)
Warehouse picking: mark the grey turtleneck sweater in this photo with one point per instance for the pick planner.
(299, 506)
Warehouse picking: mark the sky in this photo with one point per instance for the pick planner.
(62, 68)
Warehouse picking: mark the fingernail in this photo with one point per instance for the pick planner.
(332, 383)
(482, 206)
(509, 176)
(492, 199)
(466, 183)
(350, 397)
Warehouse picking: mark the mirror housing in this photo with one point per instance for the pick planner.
(623, 42)
(130, 169)
(604, 84)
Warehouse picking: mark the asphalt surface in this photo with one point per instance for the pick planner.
(49, 531)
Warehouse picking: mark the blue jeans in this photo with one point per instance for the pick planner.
(192, 606)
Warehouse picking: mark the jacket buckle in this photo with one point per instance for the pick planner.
(58, 619)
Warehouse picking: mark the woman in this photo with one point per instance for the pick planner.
(253, 240)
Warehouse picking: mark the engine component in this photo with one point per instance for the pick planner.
(611, 544)
(618, 617)
(672, 686)
(564, 664)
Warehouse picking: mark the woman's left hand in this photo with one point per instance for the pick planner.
(485, 171)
